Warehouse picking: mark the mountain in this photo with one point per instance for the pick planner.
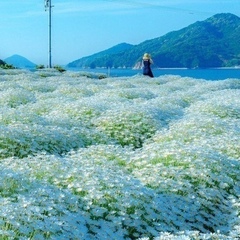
(105, 57)
(213, 42)
(19, 62)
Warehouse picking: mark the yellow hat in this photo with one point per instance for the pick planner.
(146, 56)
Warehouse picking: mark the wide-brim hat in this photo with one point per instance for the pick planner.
(146, 56)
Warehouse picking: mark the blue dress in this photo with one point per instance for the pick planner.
(146, 68)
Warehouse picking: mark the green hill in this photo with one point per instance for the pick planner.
(203, 44)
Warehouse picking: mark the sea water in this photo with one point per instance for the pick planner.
(207, 74)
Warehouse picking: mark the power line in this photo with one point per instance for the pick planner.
(145, 4)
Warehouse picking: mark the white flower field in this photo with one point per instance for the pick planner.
(118, 158)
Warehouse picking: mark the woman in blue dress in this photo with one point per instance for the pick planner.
(146, 64)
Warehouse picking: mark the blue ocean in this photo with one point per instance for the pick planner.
(208, 74)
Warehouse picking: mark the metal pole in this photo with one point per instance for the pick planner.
(50, 36)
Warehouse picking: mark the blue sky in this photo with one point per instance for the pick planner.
(83, 27)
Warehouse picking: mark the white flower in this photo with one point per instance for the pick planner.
(118, 158)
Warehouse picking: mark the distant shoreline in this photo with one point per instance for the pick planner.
(208, 74)
(173, 68)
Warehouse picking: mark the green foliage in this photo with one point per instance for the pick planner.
(59, 68)
(7, 66)
(41, 66)
(127, 127)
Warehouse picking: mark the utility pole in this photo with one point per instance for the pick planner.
(48, 6)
